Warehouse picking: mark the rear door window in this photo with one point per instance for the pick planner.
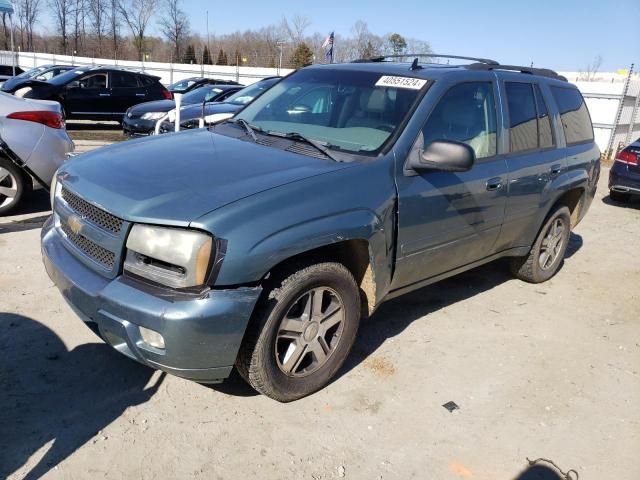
(574, 115)
(523, 124)
(545, 136)
(123, 80)
(466, 113)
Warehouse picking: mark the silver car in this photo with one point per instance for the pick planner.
(33, 144)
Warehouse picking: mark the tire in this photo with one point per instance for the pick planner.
(15, 185)
(619, 197)
(538, 266)
(282, 353)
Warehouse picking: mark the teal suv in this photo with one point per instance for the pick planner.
(261, 242)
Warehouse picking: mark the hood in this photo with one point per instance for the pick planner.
(195, 111)
(155, 106)
(173, 179)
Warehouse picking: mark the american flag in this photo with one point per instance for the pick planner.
(328, 42)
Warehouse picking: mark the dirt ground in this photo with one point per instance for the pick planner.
(550, 370)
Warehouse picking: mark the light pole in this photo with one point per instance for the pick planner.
(280, 44)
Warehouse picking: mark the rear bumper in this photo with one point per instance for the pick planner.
(202, 335)
(622, 180)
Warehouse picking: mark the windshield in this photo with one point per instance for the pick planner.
(67, 76)
(245, 95)
(183, 84)
(31, 73)
(353, 111)
(201, 94)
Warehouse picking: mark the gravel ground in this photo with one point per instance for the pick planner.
(548, 370)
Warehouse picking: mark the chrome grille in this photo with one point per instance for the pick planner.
(95, 215)
(96, 252)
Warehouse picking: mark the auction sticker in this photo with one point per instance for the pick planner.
(401, 82)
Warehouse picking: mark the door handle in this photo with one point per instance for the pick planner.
(104, 94)
(141, 94)
(494, 184)
(556, 169)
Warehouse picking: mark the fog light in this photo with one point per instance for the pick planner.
(152, 338)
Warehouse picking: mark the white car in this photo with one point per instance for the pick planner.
(33, 144)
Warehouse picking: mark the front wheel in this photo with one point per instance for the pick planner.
(547, 254)
(303, 334)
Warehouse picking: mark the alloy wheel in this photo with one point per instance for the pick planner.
(552, 244)
(8, 188)
(310, 332)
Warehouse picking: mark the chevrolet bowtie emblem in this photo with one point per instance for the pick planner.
(75, 224)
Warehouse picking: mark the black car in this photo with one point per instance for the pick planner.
(99, 93)
(219, 111)
(624, 176)
(7, 71)
(188, 84)
(44, 73)
(141, 119)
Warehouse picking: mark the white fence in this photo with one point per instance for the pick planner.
(168, 72)
(613, 99)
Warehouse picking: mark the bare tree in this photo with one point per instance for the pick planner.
(27, 12)
(114, 24)
(137, 14)
(589, 73)
(62, 12)
(97, 10)
(5, 30)
(295, 28)
(79, 12)
(174, 25)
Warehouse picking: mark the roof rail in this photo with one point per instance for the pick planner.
(382, 58)
(543, 72)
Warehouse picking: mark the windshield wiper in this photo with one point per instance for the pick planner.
(247, 126)
(299, 137)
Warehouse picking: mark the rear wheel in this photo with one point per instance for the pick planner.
(303, 334)
(14, 185)
(619, 197)
(547, 254)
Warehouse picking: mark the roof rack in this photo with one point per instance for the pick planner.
(382, 58)
(543, 72)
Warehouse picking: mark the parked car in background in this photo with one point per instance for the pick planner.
(218, 111)
(43, 73)
(141, 119)
(33, 144)
(188, 84)
(7, 72)
(624, 176)
(263, 240)
(97, 93)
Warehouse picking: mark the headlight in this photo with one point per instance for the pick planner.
(52, 188)
(153, 115)
(174, 257)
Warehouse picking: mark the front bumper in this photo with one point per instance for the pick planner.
(136, 127)
(622, 180)
(202, 335)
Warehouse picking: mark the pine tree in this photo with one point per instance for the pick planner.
(302, 56)
(189, 55)
(222, 58)
(206, 56)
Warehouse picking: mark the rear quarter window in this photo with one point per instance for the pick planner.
(574, 115)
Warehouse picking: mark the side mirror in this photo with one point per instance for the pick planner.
(74, 84)
(445, 156)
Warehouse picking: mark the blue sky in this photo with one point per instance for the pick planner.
(560, 34)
